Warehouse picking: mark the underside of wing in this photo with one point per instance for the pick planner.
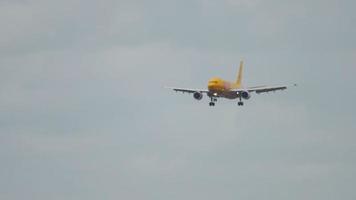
(263, 89)
(188, 90)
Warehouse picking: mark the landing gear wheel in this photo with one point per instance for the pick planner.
(240, 103)
(211, 104)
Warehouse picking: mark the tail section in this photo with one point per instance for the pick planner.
(239, 75)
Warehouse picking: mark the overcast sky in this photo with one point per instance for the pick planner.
(84, 113)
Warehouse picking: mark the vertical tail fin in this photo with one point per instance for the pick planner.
(239, 75)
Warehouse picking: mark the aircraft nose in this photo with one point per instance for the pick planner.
(211, 85)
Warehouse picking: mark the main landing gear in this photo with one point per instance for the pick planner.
(212, 102)
(240, 103)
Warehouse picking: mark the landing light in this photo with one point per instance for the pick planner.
(215, 94)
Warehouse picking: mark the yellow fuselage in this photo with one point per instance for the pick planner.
(220, 87)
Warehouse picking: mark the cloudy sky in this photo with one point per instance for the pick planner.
(84, 113)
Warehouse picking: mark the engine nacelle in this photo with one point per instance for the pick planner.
(245, 94)
(198, 95)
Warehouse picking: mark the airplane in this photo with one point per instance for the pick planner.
(219, 88)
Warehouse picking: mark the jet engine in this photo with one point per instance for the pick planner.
(198, 95)
(245, 94)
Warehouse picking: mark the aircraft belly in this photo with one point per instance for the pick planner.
(230, 95)
(224, 94)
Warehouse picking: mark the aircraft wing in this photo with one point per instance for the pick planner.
(188, 90)
(262, 89)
